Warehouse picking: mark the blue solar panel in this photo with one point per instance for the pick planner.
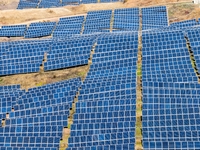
(65, 55)
(23, 4)
(23, 57)
(68, 26)
(154, 17)
(13, 31)
(126, 19)
(40, 29)
(97, 21)
(170, 115)
(165, 59)
(186, 23)
(50, 3)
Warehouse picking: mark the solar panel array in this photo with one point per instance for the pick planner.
(126, 19)
(69, 53)
(87, 1)
(97, 21)
(68, 26)
(108, 1)
(154, 17)
(27, 56)
(170, 116)
(50, 3)
(8, 97)
(183, 25)
(24, 4)
(166, 57)
(22, 56)
(40, 29)
(12, 31)
(186, 23)
(105, 113)
(39, 116)
(70, 2)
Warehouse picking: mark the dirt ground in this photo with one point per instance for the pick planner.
(38, 79)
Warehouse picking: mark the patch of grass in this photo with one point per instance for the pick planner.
(138, 132)
(69, 125)
(1, 80)
(193, 63)
(82, 73)
(139, 70)
(40, 84)
(139, 73)
(139, 110)
(138, 124)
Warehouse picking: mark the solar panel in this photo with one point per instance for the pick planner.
(154, 17)
(13, 31)
(23, 4)
(65, 55)
(97, 21)
(164, 59)
(68, 26)
(40, 29)
(50, 3)
(126, 19)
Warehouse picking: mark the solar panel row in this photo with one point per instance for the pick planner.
(23, 4)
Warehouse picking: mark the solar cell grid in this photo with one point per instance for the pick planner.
(40, 120)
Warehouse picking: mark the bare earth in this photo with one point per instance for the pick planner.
(38, 79)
